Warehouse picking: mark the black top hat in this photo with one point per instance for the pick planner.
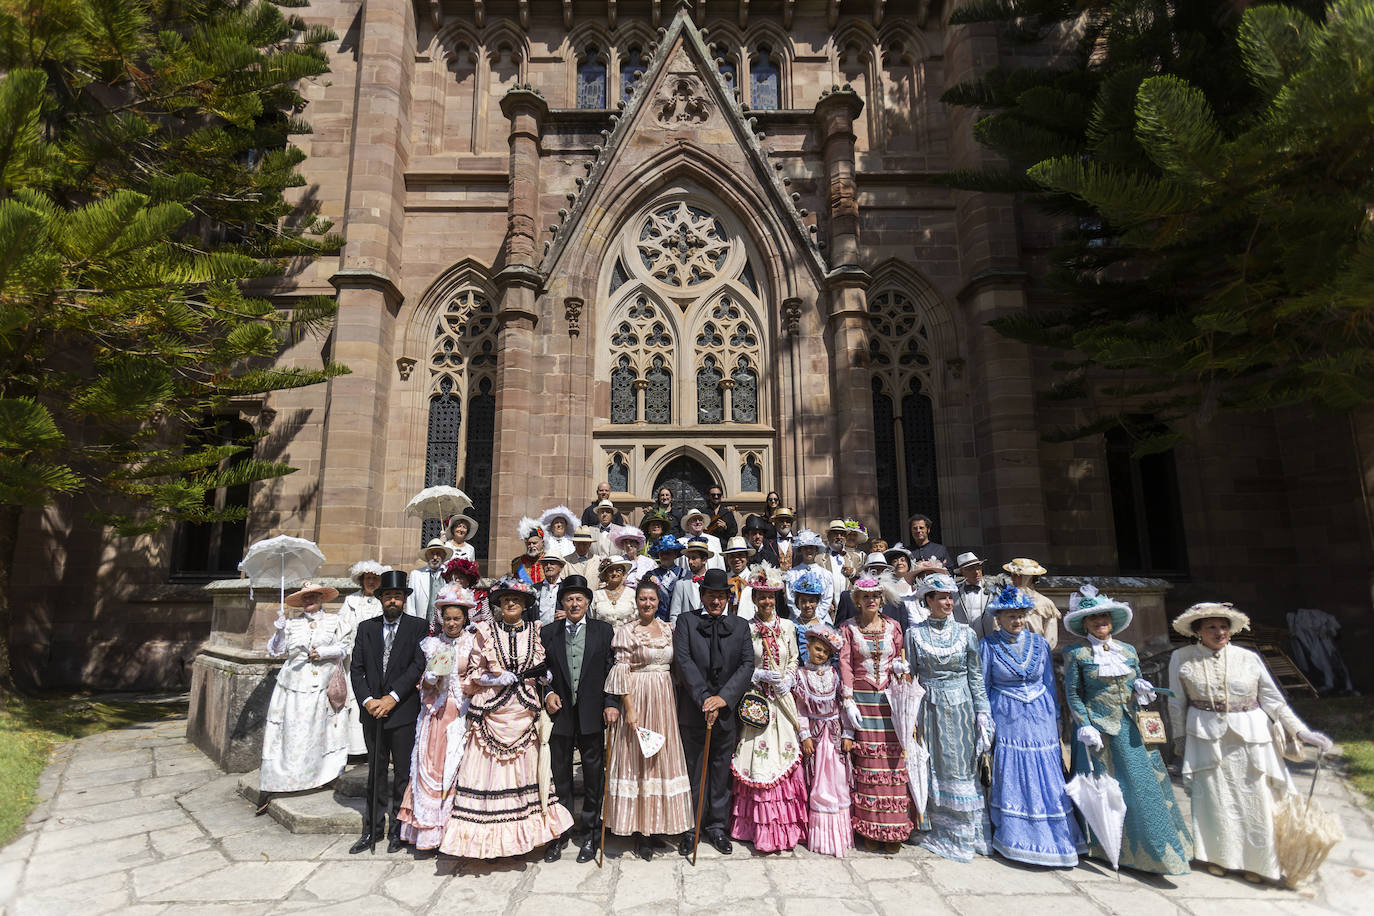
(716, 580)
(757, 523)
(574, 584)
(394, 579)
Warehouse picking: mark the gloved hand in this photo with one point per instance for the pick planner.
(986, 732)
(900, 667)
(1091, 737)
(765, 676)
(1144, 691)
(280, 622)
(499, 679)
(431, 677)
(851, 714)
(787, 683)
(546, 678)
(1321, 741)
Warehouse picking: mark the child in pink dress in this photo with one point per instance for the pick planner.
(825, 745)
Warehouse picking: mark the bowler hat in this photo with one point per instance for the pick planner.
(574, 584)
(715, 580)
(394, 580)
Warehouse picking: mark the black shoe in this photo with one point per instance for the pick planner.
(363, 844)
(685, 843)
(587, 851)
(644, 847)
(395, 844)
(721, 842)
(554, 851)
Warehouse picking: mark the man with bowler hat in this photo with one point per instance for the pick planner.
(386, 667)
(714, 660)
(579, 656)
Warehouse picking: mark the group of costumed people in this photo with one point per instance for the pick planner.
(769, 706)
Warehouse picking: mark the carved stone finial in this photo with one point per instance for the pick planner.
(405, 365)
(572, 311)
(791, 315)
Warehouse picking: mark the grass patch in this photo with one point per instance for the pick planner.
(1350, 723)
(31, 726)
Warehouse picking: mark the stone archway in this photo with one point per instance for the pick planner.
(687, 479)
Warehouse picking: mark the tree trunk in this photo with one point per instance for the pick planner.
(9, 539)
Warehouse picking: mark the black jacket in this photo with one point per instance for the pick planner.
(402, 674)
(597, 659)
(692, 665)
(591, 521)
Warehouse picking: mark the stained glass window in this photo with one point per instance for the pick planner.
(481, 440)
(634, 62)
(623, 392)
(441, 451)
(725, 63)
(591, 80)
(618, 474)
(658, 396)
(918, 435)
(751, 476)
(710, 398)
(744, 401)
(890, 513)
(763, 81)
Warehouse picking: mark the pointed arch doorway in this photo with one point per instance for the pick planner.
(687, 480)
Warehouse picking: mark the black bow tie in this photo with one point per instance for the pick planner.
(715, 629)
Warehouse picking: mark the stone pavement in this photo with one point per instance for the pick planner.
(139, 822)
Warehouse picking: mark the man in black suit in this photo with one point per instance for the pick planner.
(578, 653)
(756, 534)
(721, 520)
(387, 664)
(713, 657)
(603, 494)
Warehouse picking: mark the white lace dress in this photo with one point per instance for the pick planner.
(305, 741)
(356, 608)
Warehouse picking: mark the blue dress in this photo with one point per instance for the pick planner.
(1032, 816)
(1155, 838)
(944, 656)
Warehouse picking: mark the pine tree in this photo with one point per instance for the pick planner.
(145, 159)
(1211, 162)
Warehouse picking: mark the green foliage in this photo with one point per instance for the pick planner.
(145, 159)
(1215, 161)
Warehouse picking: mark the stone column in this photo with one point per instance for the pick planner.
(1006, 433)
(519, 281)
(847, 288)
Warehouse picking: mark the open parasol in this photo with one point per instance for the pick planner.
(904, 696)
(275, 560)
(438, 502)
(1304, 834)
(1098, 798)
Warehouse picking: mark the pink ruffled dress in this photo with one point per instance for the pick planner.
(439, 740)
(770, 786)
(817, 695)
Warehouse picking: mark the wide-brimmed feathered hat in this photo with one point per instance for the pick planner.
(1089, 603)
(936, 582)
(827, 635)
(1010, 598)
(562, 512)
(1023, 566)
(809, 584)
(309, 590)
(1183, 623)
(763, 577)
(668, 543)
(808, 538)
(363, 567)
(528, 528)
(509, 585)
(629, 532)
(455, 595)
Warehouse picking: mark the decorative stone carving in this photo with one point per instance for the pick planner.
(791, 314)
(572, 311)
(404, 365)
(682, 101)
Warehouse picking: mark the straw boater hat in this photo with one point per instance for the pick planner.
(605, 504)
(737, 544)
(436, 544)
(1183, 623)
(1024, 566)
(309, 590)
(784, 512)
(461, 517)
(610, 563)
(455, 595)
(1088, 603)
(509, 585)
(700, 545)
(691, 514)
(584, 535)
(936, 583)
(836, 524)
(553, 558)
(1010, 598)
(528, 528)
(762, 577)
(562, 512)
(363, 567)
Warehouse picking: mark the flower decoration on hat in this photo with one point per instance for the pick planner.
(1183, 623)
(828, 635)
(809, 584)
(868, 584)
(459, 566)
(628, 532)
(764, 577)
(938, 582)
(808, 538)
(512, 585)
(669, 543)
(455, 595)
(1010, 598)
(363, 567)
(1089, 602)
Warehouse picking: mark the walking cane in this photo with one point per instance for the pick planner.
(372, 784)
(701, 794)
(605, 786)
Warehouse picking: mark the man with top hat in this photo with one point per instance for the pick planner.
(686, 594)
(1044, 619)
(546, 607)
(603, 495)
(972, 598)
(666, 550)
(427, 581)
(781, 541)
(584, 560)
(713, 657)
(578, 652)
(694, 526)
(305, 737)
(386, 667)
(756, 534)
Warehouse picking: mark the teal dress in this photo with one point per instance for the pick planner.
(1155, 838)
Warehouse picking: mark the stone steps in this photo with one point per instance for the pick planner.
(337, 808)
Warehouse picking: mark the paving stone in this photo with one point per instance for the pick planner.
(1201, 884)
(992, 876)
(100, 894)
(891, 868)
(825, 906)
(56, 837)
(482, 897)
(763, 907)
(271, 843)
(90, 809)
(240, 881)
(98, 762)
(179, 841)
(72, 799)
(361, 906)
(177, 784)
(907, 897)
(153, 879)
(413, 884)
(643, 883)
(103, 778)
(562, 904)
(742, 879)
(998, 904)
(1130, 900)
(345, 880)
(568, 877)
(825, 877)
(20, 847)
(96, 859)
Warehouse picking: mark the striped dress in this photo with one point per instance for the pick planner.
(880, 805)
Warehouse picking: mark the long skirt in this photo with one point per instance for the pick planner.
(649, 795)
(772, 817)
(828, 829)
(428, 802)
(958, 818)
(1032, 816)
(881, 807)
(304, 741)
(1154, 838)
(496, 809)
(1233, 809)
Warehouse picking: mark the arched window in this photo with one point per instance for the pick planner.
(658, 393)
(727, 341)
(904, 438)
(687, 480)
(618, 474)
(462, 407)
(710, 396)
(644, 344)
(725, 62)
(634, 63)
(764, 81)
(744, 397)
(623, 407)
(591, 79)
(751, 475)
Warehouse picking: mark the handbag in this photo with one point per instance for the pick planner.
(1151, 725)
(1288, 747)
(753, 710)
(985, 769)
(336, 691)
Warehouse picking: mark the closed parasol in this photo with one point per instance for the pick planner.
(438, 502)
(275, 561)
(1304, 834)
(904, 696)
(545, 726)
(1098, 798)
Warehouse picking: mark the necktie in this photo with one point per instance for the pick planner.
(713, 628)
(572, 629)
(388, 634)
